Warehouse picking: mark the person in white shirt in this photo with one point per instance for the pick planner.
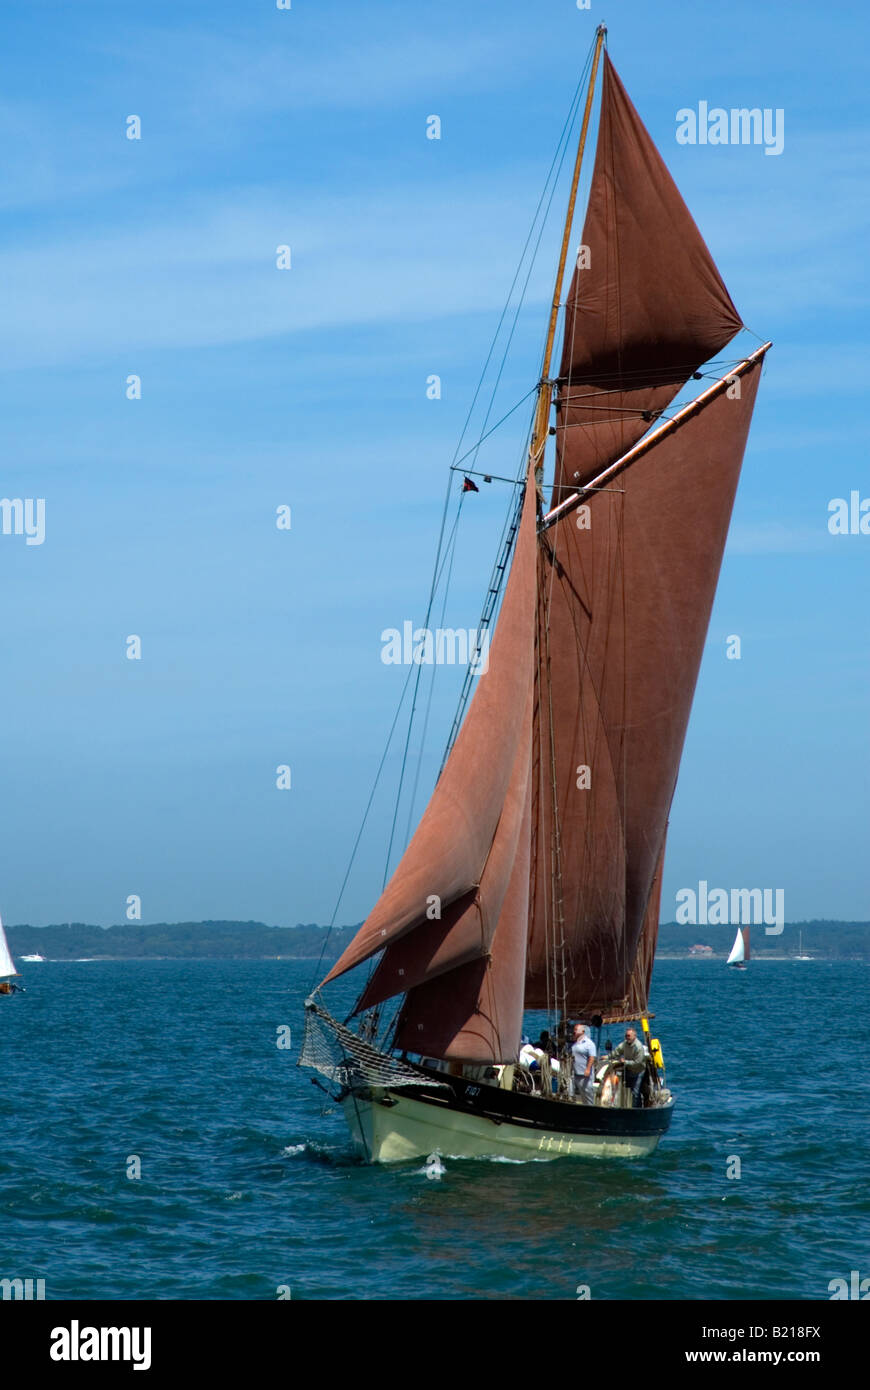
(583, 1051)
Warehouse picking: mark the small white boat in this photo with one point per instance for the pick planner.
(800, 955)
(7, 966)
(740, 950)
(36, 956)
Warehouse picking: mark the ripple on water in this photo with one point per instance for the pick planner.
(248, 1186)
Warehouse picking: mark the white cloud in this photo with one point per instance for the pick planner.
(206, 274)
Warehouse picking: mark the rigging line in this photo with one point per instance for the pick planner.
(475, 447)
(509, 531)
(554, 173)
(487, 618)
(362, 827)
(632, 412)
(443, 559)
(492, 477)
(572, 488)
(549, 918)
(368, 808)
(546, 596)
(588, 743)
(541, 881)
(564, 143)
(575, 316)
(566, 129)
(432, 591)
(658, 415)
(511, 524)
(388, 1038)
(619, 507)
(675, 372)
(555, 164)
(559, 967)
(451, 555)
(752, 333)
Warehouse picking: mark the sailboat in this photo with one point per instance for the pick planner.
(740, 950)
(533, 879)
(7, 966)
(800, 955)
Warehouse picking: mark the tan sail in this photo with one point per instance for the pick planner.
(466, 930)
(625, 599)
(641, 975)
(534, 877)
(475, 1013)
(449, 851)
(646, 305)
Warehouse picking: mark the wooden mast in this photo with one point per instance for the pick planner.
(540, 432)
(541, 425)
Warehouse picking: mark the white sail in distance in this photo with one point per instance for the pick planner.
(7, 964)
(738, 950)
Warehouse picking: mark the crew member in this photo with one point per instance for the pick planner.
(583, 1051)
(632, 1054)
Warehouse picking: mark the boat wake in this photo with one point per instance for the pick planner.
(330, 1155)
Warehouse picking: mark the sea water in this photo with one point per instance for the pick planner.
(158, 1142)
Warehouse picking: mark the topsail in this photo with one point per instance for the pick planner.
(646, 306)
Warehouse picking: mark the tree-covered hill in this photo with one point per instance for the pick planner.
(256, 941)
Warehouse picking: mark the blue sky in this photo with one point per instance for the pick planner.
(307, 387)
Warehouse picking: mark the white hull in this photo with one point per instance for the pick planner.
(412, 1129)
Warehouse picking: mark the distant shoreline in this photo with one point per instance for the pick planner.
(758, 959)
(237, 941)
(759, 956)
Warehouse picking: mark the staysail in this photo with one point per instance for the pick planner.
(448, 888)
(475, 1013)
(7, 964)
(646, 306)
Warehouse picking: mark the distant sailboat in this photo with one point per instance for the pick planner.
(800, 955)
(740, 950)
(7, 966)
(516, 892)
